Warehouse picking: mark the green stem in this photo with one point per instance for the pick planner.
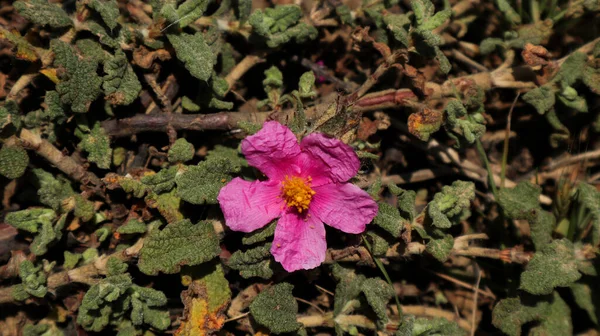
(385, 275)
(487, 165)
(535, 10)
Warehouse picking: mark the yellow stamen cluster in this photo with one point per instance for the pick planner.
(296, 192)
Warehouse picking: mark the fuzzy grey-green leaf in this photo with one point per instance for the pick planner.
(97, 144)
(121, 84)
(181, 151)
(201, 184)
(13, 161)
(178, 244)
(276, 309)
(195, 54)
(81, 84)
(43, 13)
(542, 98)
(553, 266)
(108, 10)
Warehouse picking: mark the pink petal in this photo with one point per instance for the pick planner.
(248, 206)
(299, 244)
(273, 150)
(344, 206)
(327, 159)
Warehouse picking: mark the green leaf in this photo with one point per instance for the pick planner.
(189, 105)
(589, 197)
(422, 9)
(244, 8)
(167, 204)
(97, 144)
(534, 33)
(121, 84)
(542, 225)
(398, 24)
(132, 226)
(542, 98)
(102, 233)
(274, 20)
(444, 63)
(378, 294)
(380, 242)
(33, 278)
(583, 295)
(557, 320)
(436, 20)
(591, 78)
(103, 301)
(51, 190)
(83, 208)
(572, 69)
(201, 184)
(345, 14)
(9, 115)
(348, 288)
(440, 248)
(178, 244)
(509, 13)
(81, 84)
(43, 13)
(108, 10)
(406, 201)
(161, 182)
(231, 154)
(553, 266)
(260, 235)
(280, 24)
(29, 220)
(509, 315)
(570, 98)
(306, 85)
(13, 161)
(24, 50)
(190, 11)
(195, 53)
(181, 151)
(18, 292)
(451, 205)
(471, 128)
(519, 202)
(255, 262)
(71, 259)
(47, 234)
(407, 326)
(490, 44)
(276, 309)
(388, 218)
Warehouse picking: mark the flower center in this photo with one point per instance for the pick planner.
(296, 192)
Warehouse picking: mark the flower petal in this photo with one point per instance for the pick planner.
(248, 206)
(328, 159)
(344, 206)
(299, 244)
(273, 150)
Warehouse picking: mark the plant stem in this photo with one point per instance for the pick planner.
(387, 277)
(487, 167)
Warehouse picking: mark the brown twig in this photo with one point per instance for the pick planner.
(241, 68)
(164, 99)
(65, 163)
(161, 122)
(475, 297)
(86, 274)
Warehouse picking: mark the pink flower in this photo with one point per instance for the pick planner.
(306, 187)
